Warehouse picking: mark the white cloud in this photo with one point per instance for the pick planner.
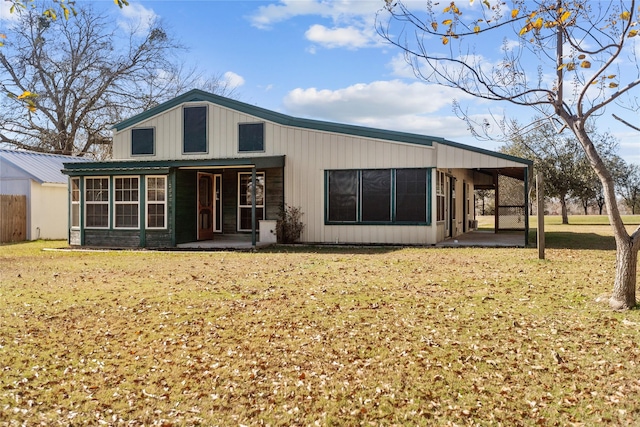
(349, 37)
(391, 105)
(138, 17)
(353, 21)
(233, 80)
(266, 16)
(5, 12)
(400, 67)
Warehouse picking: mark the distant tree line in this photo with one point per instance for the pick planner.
(568, 175)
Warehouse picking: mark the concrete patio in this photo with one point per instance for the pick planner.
(487, 239)
(236, 242)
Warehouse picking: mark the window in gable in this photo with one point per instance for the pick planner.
(194, 126)
(251, 137)
(142, 141)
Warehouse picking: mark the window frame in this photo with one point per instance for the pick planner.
(101, 202)
(117, 202)
(206, 128)
(392, 198)
(240, 126)
(440, 196)
(75, 198)
(245, 206)
(153, 141)
(149, 202)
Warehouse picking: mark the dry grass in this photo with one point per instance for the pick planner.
(316, 336)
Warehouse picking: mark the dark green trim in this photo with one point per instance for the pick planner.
(162, 167)
(82, 211)
(171, 194)
(142, 210)
(429, 194)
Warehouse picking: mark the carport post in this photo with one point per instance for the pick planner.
(540, 197)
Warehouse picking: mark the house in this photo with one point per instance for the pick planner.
(202, 167)
(38, 178)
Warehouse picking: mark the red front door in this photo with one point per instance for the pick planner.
(206, 210)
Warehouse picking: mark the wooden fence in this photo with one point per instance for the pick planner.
(13, 218)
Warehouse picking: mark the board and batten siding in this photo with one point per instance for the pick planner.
(457, 157)
(308, 153)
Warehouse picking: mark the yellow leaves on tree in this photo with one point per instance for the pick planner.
(29, 99)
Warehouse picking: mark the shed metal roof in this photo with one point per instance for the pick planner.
(41, 167)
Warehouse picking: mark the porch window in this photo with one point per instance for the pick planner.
(96, 202)
(411, 195)
(126, 202)
(75, 202)
(250, 137)
(343, 195)
(440, 196)
(156, 202)
(244, 199)
(377, 196)
(194, 126)
(142, 141)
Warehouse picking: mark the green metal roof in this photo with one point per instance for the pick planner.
(162, 166)
(197, 95)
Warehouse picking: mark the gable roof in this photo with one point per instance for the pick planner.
(196, 95)
(41, 167)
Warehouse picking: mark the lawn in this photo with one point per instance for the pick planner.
(318, 336)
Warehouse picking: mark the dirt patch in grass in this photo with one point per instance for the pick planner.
(314, 337)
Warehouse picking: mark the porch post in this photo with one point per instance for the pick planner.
(526, 206)
(253, 207)
(496, 217)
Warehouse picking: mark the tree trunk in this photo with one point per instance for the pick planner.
(623, 296)
(624, 288)
(565, 215)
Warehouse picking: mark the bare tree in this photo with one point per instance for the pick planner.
(577, 47)
(82, 75)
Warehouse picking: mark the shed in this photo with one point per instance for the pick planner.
(39, 178)
(202, 167)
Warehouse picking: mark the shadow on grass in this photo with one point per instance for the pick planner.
(569, 240)
(335, 249)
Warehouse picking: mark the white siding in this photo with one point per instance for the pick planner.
(308, 154)
(49, 211)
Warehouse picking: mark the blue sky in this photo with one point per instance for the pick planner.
(322, 59)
